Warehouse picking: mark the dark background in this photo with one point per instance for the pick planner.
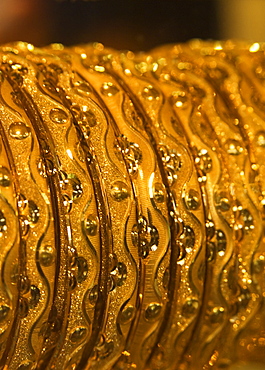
(129, 24)
(136, 24)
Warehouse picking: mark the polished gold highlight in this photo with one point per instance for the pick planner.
(132, 194)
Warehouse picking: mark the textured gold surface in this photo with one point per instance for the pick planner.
(132, 196)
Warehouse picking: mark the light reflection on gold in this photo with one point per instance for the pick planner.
(132, 207)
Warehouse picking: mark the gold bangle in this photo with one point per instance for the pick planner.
(132, 207)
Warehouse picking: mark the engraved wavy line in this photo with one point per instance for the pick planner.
(41, 314)
(42, 235)
(192, 148)
(37, 122)
(15, 324)
(250, 201)
(138, 211)
(185, 180)
(80, 168)
(112, 120)
(139, 109)
(222, 299)
(99, 171)
(173, 139)
(9, 246)
(103, 212)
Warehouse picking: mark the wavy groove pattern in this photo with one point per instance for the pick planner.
(132, 207)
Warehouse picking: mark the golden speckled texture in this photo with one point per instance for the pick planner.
(132, 194)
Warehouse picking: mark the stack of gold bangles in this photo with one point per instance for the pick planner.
(132, 207)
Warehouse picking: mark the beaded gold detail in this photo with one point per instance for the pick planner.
(132, 199)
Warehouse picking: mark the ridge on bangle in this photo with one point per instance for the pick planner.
(132, 200)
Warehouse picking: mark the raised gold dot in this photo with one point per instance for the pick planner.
(126, 315)
(78, 334)
(4, 311)
(204, 161)
(24, 284)
(89, 116)
(130, 152)
(46, 168)
(58, 115)
(91, 225)
(82, 88)
(72, 187)
(217, 315)
(72, 256)
(260, 139)
(192, 200)
(119, 274)
(188, 238)
(220, 242)
(159, 192)
(233, 147)
(76, 185)
(190, 307)
(222, 201)
(145, 237)
(150, 93)
(152, 311)
(82, 269)
(34, 213)
(35, 296)
(4, 177)
(72, 281)
(19, 131)
(109, 89)
(142, 67)
(93, 295)
(3, 225)
(46, 255)
(179, 99)
(119, 191)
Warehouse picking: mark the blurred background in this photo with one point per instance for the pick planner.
(130, 24)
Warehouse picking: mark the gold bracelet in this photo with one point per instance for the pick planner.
(132, 207)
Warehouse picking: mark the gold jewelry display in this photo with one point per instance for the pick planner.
(132, 195)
